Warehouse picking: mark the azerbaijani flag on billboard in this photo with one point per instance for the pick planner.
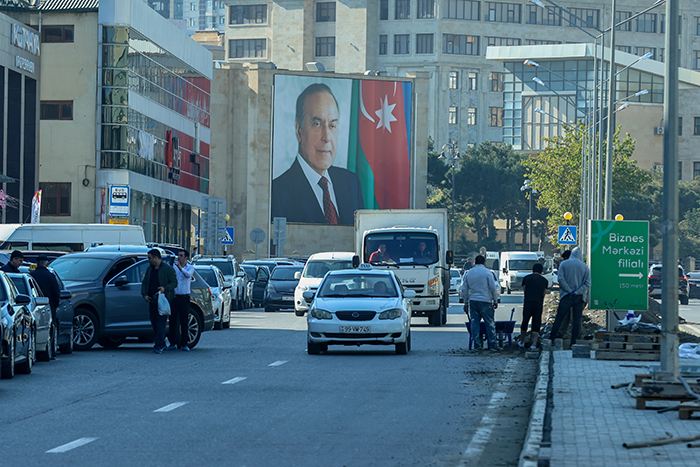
(379, 149)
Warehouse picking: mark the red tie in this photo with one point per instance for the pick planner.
(328, 207)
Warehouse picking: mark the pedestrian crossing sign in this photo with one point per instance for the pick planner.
(567, 234)
(227, 238)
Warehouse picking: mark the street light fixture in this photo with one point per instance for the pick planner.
(528, 188)
(450, 155)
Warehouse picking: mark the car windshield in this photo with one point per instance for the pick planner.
(225, 266)
(284, 274)
(401, 248)
(318, 268)
(77, 268)
(358, 285)
(209, 276)
(454, 273)
(522, 264)
(20, 284)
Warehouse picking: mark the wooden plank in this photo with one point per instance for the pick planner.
(628, 355)
(626, 337)
(641, 401)
(685, 411)
(666, 389)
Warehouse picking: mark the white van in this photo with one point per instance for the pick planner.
(517, 264)
(316, 268)
(67, 237)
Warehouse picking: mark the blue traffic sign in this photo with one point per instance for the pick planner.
(227, 239)
(568, 235)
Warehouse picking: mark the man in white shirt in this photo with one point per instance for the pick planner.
(480, 294)
(179, 334)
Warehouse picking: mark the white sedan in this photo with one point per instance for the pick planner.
(359, 306)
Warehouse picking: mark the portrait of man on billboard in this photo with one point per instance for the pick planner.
(312, 190)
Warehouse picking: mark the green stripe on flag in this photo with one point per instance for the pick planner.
(357, 162)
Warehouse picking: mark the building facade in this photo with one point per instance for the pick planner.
(192, 15)
(446, 38)
(128, 104)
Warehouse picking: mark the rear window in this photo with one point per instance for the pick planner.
(284, 274)
(656, 271)
(20, 284)
(454, 273)
(225, 266)
(208, 275)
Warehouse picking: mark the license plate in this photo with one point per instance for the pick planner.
(288, 298)
(356, 329)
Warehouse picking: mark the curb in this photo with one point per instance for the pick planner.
(529, 456)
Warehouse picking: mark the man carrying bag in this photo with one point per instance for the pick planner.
(159, 277)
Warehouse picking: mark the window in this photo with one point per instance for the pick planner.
(503, 12)
(55, 199)
(453, 116)
(426, 9)
(193, 22)
(589, 18)
(495, 116)
(646, 22)
(56, 110)
(222, 20)
(662, 28)
(496, 80)
(696, 126)
(697, 25)
(680, 126)
(680, 170)
(471, 116)
(473, 78)
(193, 6)
(424, 43)
(639, 51)
(57, 34)
(457, 44)
(383, 10)
(325, 46)
(453, 82)
(247, 48)
(325, 12)
(463, 9)
(248, 14)
(545, 17)
(383, 41)
(620, 16)
(403, 9)
(540, 42)
(696, 169)
(624, 48)
(402, 44)
(696, 59)
(497, 41)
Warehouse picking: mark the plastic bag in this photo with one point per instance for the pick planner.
(689, 350)
(163, 305)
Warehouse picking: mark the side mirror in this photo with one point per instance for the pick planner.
(240, 274)
(65, 295)
(449, 257)
(355, 261)
(121, 281)
(42, 301)
(297, 275)
(22, 299)
(410, 293)
(227, 285)
(308, 296)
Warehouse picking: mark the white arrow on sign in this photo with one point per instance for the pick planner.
(638, 275)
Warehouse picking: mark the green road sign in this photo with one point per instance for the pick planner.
(619, 257)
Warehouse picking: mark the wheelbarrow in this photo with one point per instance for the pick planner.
(504, 329)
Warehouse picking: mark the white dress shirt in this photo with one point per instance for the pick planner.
(184, 278)
(313, 178)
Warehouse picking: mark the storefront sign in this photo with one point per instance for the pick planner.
(119, 221)
(24, 64)
(25, 39)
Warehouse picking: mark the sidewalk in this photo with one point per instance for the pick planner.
(590, 421)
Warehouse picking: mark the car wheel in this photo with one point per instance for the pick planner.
(85, 327)
(26, 366)
(313, 349)
(194, 328)
(409, 339)
(46, 355)
(8, 366)
(437, 317)
(219, 324)
(683, 299)
(227, 322)
(299, 312)
(54, 343)
(111, 342)
(403, 347)
(68, 348)
(234, 304)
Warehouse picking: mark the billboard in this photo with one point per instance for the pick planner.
(339, 145)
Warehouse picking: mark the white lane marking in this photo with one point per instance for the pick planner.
(170, 407)
(235, 380)
(278, 363)
(72, 445)
(488, 421)
(234, 322)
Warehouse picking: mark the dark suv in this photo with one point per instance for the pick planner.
(655, 283)
(107, 302)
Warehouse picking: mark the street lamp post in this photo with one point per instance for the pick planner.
(450, 155)
(528, 188)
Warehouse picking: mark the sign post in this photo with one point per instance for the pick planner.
(618, 255)
(567, 235)
(257, 236)
(119, 197)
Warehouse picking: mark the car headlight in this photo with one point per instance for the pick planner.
(391, 314)
(434, 286)
(320, 314)
(271, 288)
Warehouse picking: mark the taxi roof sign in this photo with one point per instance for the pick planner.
(365, 267)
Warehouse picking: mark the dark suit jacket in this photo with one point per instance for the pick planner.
(293, 198)
(166, 278)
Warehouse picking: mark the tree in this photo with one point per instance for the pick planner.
(556, 173)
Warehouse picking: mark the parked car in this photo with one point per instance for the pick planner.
(221, 295)
(232, 273)
(280, 288)
(693, 285)
(655, 283)
(107, 301)
(249, 281)
(455, 281)
(271, 263)
(46, 330)
(18, 335)
(258, 279)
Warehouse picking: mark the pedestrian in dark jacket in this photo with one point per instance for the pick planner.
(16, 259)
(48, 284)
(159, 277)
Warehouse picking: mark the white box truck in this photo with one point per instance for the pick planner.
(415, 248)
(67, 237)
